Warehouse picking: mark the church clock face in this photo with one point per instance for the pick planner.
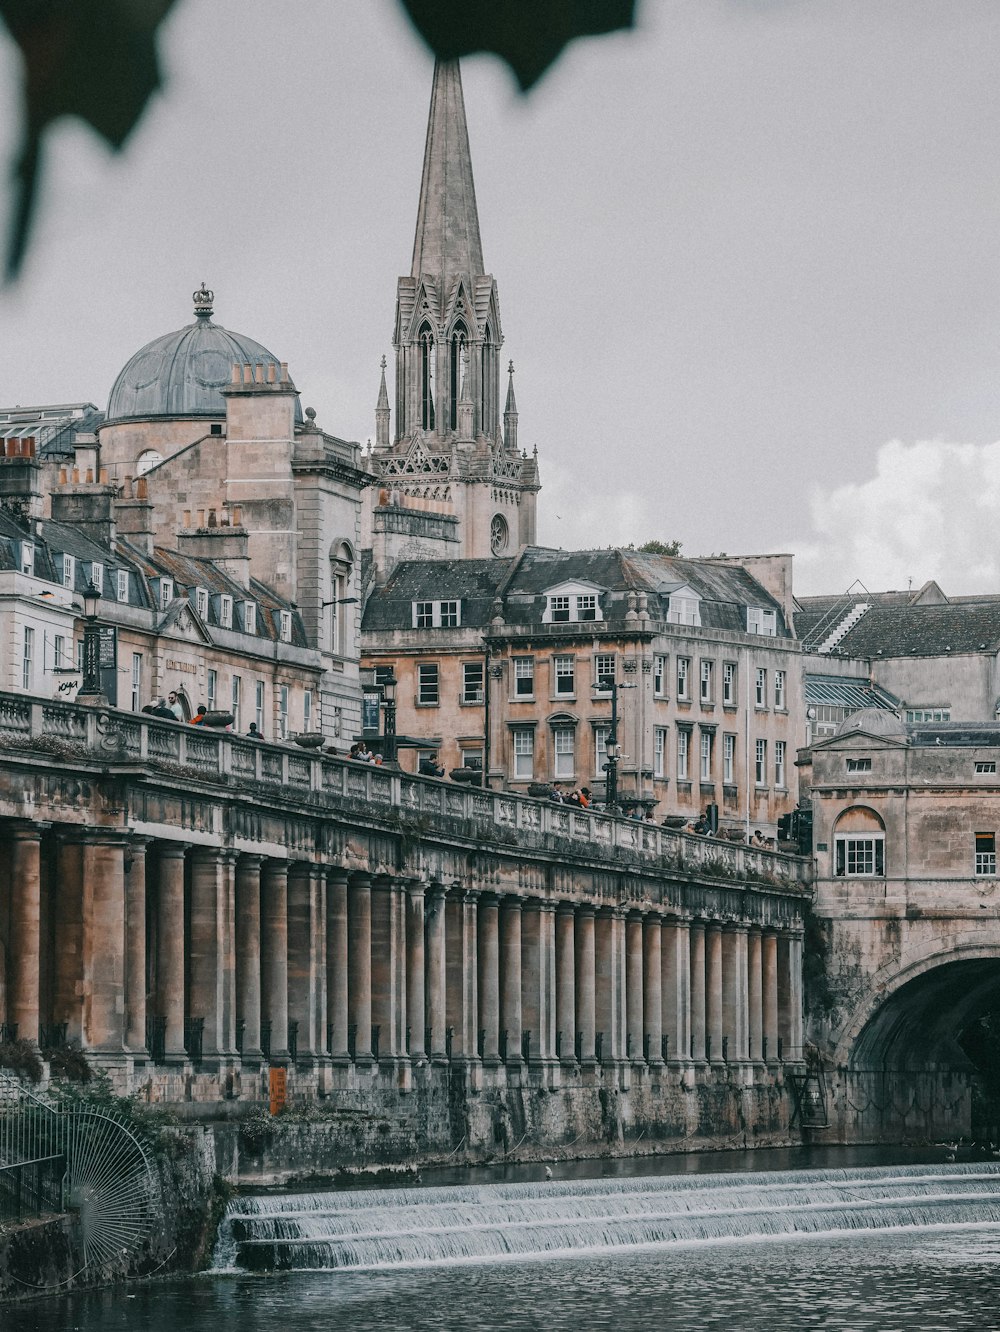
(499, 535)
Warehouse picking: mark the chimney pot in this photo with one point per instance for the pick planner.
(141, 488)
(236, 373)
(247, 373)
(258, 373)
(270, 372)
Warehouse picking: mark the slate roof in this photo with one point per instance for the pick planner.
(954, 734)
(840, 691)
(897, 631)
(725, 591)
(473, 582)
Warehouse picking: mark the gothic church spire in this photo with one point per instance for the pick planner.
(447, 239)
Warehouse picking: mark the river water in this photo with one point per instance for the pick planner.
(648, 1245)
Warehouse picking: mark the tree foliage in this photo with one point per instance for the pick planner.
(98, 60)
(660, 547)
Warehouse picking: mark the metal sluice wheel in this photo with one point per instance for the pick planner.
(110, 1183)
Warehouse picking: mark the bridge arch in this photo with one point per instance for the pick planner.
(917, 1006)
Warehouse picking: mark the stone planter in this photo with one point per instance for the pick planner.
(310, 739)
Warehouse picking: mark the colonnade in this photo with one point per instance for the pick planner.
(110, 937)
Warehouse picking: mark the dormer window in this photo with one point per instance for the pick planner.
(250, 617)
(68, 570)
(571, 607)
(286, 626)
(226, 612)
(121, 584)
(166, 592)
(201, 601)
(97, 576)
(760, 621)
(27, 557)
(437, 614)
(684, 608)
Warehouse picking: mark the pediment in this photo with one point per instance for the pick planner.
(571, 587)
(181, 621)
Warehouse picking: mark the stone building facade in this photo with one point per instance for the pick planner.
(504, 666)
(907, 919)
(196, 910)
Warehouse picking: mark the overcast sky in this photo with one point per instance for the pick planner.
(748, 258)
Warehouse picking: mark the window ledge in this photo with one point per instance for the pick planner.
(417, 704)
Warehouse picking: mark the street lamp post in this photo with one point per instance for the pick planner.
(90, 690)
(605, 684)
(389, 685)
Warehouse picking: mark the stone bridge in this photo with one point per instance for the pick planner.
(903, 946)
(196, 909)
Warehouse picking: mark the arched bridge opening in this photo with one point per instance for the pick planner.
(926, 1063)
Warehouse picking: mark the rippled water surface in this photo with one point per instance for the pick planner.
(943, 1280)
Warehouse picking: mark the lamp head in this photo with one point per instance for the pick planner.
(91, 600)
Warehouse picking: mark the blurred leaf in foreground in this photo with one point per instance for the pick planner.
(90, 58)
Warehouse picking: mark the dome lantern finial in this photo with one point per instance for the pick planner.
(203, 299)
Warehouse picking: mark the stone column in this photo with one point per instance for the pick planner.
(769, 987)
(489, 976)
(461, 973)
(388, 981)
(634, 985)
(534, 977)
(208, 949)
(510, 975)
(104, 942)
(337, 964)
(652, 987)
(795, 1051)
(274, 953)
(755, 992)
(713, 990)
(170, 961)
(734, 992)
(547, 1023)
(436, 959)
(566, 981)
(699, 1025)
(610, 982)
(135, 945)
(25, 939)
(585, 981)
(305, 958)
(676, 984)
(248, 953)
(359, 964)
(67, 979)
(416, 1015)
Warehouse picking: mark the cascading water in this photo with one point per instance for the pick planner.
(395, 1227)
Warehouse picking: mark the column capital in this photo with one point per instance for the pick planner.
(30, 830)
(583, 908)
(565, 908)
(361, 877)
(250, 859)
(489, 898)
(511, 902)
(171, 850)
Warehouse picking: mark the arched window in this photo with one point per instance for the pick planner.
(859, 845)
(459, 339)
(147, 461)
(486, 380)
(341, 605)
(426, 377)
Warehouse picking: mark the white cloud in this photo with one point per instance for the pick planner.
(930, 511)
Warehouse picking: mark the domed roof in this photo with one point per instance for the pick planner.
(873, 721)
(181, 374)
